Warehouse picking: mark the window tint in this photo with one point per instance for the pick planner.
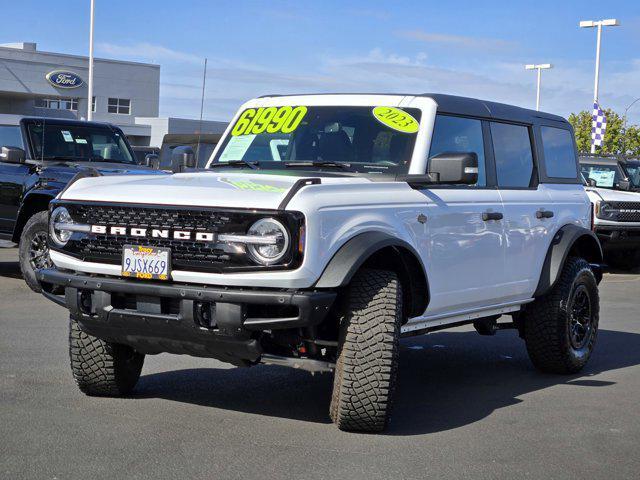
(456, 134)
(559, 154)
(350, 135)
(10, 136)
(512, 150)
(86, 142)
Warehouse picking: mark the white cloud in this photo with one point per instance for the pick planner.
(459, 41)
(147, 52)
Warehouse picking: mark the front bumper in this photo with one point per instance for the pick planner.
(618, 237)
(196, 320)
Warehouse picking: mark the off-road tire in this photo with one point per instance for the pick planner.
(368, 348)
(100, 368)
(548, 321)
(36, 227)
(624, 259)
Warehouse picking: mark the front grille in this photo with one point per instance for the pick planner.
(185, 254)
(627, 211)
(177, 218)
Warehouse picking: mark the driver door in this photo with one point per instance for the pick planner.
(465, 247)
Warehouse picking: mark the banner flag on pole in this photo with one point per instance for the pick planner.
(598, 125)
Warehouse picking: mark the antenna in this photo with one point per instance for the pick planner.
(204, 81)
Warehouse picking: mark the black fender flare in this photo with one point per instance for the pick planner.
(34, 201)
(569, 237)
(354, 253)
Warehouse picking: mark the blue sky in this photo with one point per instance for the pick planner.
(471, 48)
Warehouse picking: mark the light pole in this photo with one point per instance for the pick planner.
(90, 83)
(624, 126)
(539, 67)
(611, 22)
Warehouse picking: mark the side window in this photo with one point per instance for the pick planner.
(559, 153)
(514, 158)
(10, 136)
(457, 134)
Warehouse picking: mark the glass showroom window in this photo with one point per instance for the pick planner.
(58, 103)
(119, 105)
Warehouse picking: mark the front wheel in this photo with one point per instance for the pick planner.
(101, 368)
(368, 347)
(33, 251)
(560, 328)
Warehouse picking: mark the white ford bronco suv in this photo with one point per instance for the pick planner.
(614, 190)
(325, 228)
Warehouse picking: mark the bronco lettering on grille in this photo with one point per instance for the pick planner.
(154, 233)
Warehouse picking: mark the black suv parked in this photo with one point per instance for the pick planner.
(38, 158)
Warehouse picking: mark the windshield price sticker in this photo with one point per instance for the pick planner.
(397, 119)
(269, 119)
(603, 178)
(67, 136)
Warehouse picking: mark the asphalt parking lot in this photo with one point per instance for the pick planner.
(467, 407)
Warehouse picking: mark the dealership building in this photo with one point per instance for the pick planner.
(127, 94)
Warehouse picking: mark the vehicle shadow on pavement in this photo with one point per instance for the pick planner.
(262, 390)
(446, 380)
(10, 270)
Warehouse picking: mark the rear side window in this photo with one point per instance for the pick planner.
(10, 136)
(460, 135)
(513, 154)
(559, 154)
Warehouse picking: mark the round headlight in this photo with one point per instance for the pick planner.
(59, 217)
(272, 241)
(606, 211)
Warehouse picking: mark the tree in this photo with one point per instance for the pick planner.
(615, 141)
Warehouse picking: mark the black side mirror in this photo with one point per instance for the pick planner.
(152, 160)
(12, 155)
(182, 158)
(624, 185)
(454, 168)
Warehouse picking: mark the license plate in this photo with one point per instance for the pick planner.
(149, 263)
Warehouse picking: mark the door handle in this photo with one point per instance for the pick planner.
(544, 214)
(486, 216)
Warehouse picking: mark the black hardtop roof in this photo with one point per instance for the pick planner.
(65, 121)
(494, 110)
(467, 106)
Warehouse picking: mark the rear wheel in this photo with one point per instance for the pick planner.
(34, 251)
(560, 328)
(100, 368)
(367, 352)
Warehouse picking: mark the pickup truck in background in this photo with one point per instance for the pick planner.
(614, 189)
(39, 157)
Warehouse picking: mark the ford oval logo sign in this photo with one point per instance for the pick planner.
(64, 79)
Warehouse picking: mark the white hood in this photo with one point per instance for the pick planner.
(609, 195)
(207, 189)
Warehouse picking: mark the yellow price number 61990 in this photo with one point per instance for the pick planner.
(269, 119)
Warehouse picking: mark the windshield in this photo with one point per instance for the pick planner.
(605, 176)
(356, 139)
(89, 142)
(633, 171)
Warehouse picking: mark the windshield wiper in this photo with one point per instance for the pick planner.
(318, 164)
(63, 158)
(236, 163)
